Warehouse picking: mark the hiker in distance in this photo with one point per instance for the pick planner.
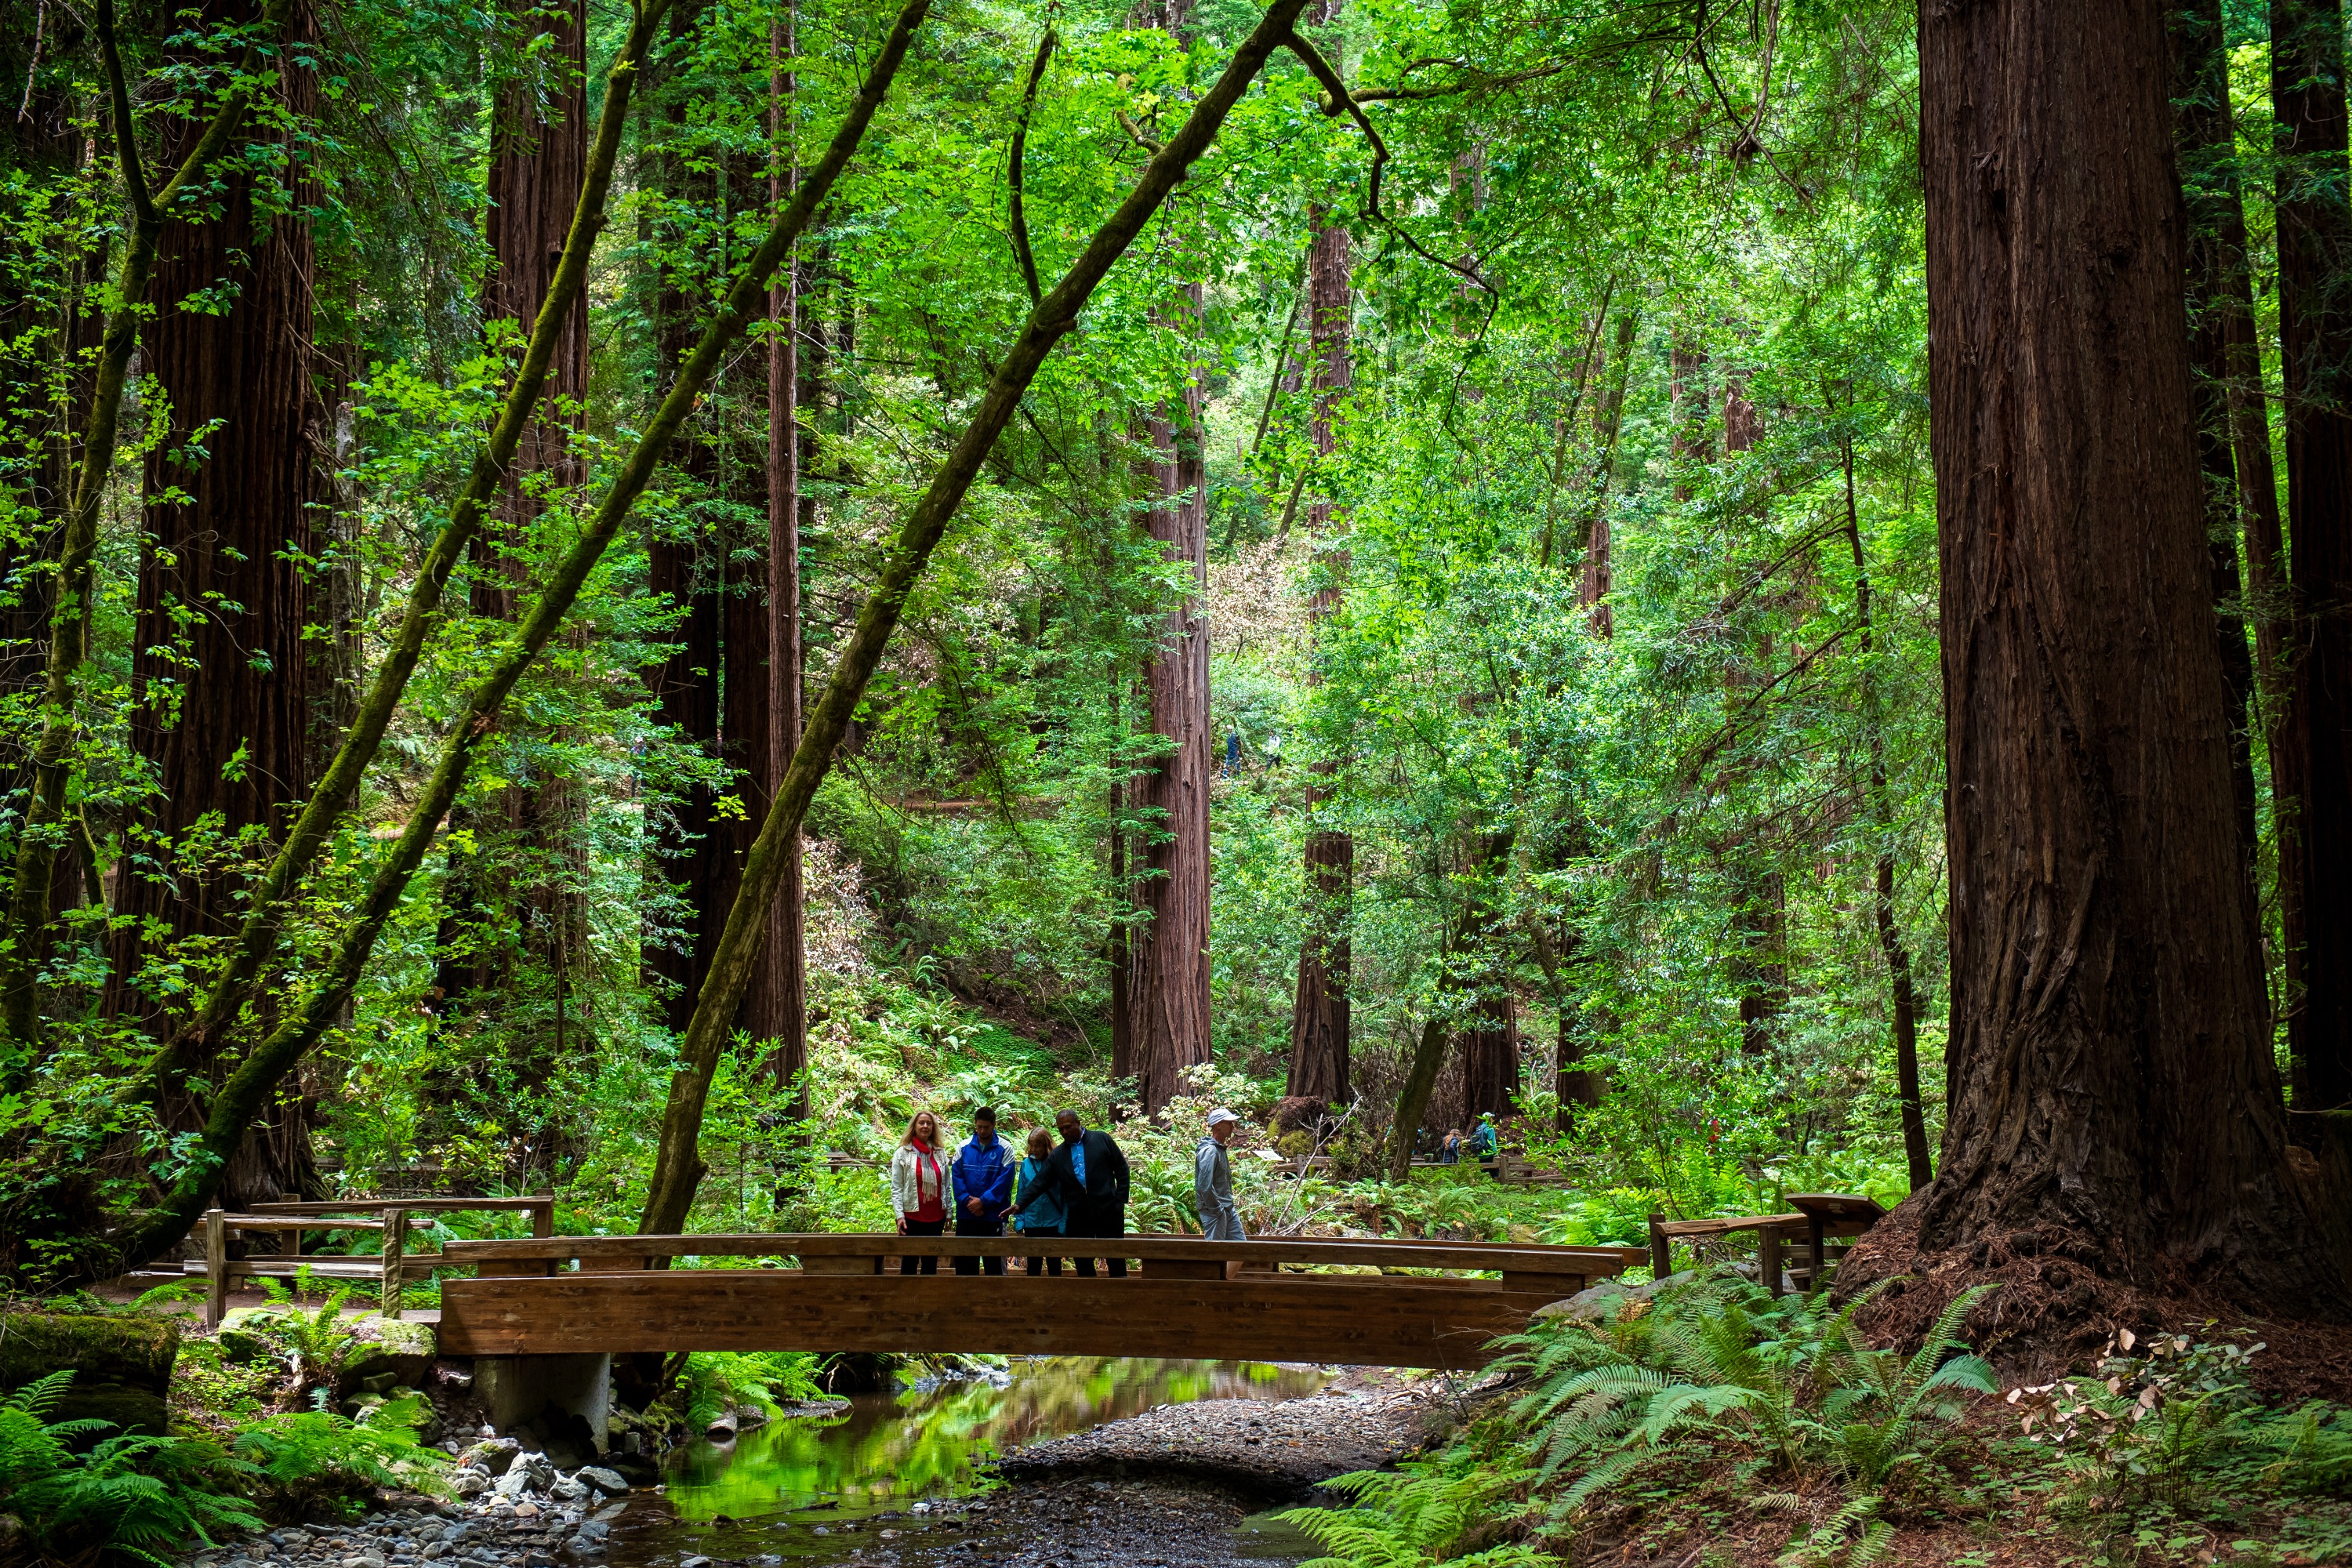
(1036, 1205)
(1089, 1175)
(983, 1171)
(919, 1187)
(1212, 1180)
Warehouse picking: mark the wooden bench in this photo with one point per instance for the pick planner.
(1817, 1217)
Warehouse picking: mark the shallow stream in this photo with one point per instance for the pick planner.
(895, 1476)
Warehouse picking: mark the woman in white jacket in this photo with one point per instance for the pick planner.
(919, 1187)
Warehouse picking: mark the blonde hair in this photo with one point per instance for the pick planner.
(1038, 1135)
(916, 1121)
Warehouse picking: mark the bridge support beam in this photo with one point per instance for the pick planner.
(555, 1390)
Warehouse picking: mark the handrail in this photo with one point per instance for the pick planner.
(414, 1205)
(1490, 1255)
(288, 1222)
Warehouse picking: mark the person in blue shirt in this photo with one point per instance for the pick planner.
(983, 1172)
(1036, 1206)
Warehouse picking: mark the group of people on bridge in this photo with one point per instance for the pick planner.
(1049, 1192)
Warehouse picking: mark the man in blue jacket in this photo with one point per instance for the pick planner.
(982, 1174)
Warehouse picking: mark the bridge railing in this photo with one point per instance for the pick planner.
(1522, 1268)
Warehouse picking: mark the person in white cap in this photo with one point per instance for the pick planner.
(1212, 1180)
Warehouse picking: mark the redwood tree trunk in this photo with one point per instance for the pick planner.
(1169, 963)
(776, 1006)
(226, 698)
(1490, 1042)
(1593, 579)
(2315, 230)
(2111, 1089)
(1318, 1012)
(2201, 94)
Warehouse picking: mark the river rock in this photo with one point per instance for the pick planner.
(609, 1482)
(491, 1455)
(469, 1483)
(568, 1489)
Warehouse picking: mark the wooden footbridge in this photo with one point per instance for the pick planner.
(1434, 1304)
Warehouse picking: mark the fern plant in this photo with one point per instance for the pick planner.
(128, 1495)
(1411, 1517)
(313, 1340)
(304, 1456)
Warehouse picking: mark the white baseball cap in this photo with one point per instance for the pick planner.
(1222, 1115)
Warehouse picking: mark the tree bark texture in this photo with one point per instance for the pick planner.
(2110, 1084)
(539, 159)
(693, 850)
(2314, 251)
(1593, 579)
(1169, 964)
(1319, 1024)
(1490, 1040)
(225, 691)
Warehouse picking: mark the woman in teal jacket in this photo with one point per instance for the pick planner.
(1036, 1212)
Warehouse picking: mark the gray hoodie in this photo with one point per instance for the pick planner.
(1213, 1192)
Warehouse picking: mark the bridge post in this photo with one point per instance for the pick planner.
(517, 1388)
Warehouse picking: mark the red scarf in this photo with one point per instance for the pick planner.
(929, 1205)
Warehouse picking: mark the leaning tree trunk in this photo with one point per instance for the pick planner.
(2112, 1095)
(1169, 962)
(2315, 249)
(226, 699)
(1318, 1013)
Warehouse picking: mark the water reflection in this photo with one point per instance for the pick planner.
(887, 1451)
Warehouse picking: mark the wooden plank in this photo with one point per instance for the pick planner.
(1838, 1205)
(413, 1206)
(287, 1222)
(809, 1250)
(1727, 1225)
(288, 1267)
(215, 1267)
(1350, 1318)
(1552, 1287)
(391, 1266)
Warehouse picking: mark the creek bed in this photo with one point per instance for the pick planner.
(904, 1479)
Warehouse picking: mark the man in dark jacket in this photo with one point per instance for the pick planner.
(983, 1172)
(1090, 1174)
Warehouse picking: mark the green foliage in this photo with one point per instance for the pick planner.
(1411, 1516)
(715, 1382)
(306, 1456)
(2169, 1428)
(79, 1496)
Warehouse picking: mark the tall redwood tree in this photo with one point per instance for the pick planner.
(2315, 252)
(2112, 1093)
(227, 690)
(1167, 960)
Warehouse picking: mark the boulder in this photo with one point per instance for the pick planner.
(121, 1365)
(469, 1483)
(250, 1334)
(1604, 1301)
(607, 1481)
(385, 1345)
(491, 1455)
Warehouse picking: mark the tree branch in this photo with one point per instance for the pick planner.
(1019, 220)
